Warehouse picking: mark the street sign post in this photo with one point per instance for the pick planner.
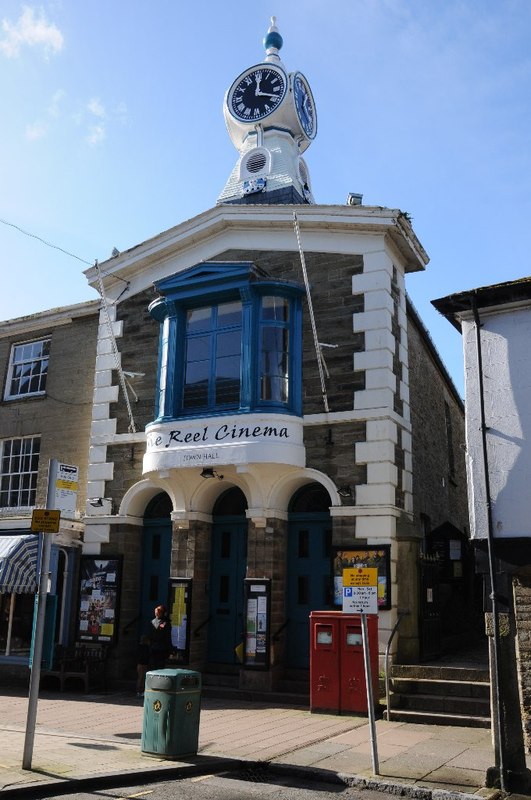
(45, 521)
(61, 496)
(360, 596)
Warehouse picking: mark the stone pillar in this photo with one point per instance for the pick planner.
(266, 558)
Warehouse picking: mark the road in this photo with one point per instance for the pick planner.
(243, 785)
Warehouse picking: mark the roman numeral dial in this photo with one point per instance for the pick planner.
(257, 93)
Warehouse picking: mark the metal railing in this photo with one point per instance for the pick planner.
(401, 615)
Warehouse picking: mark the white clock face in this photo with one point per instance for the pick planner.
(257, 93)
(304, 105)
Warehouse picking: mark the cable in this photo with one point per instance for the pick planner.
(318, 350)
(121, 376)
(48, 244)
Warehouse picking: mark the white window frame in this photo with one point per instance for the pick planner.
(24, 470)
(13, 364)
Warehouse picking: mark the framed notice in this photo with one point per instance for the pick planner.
(179, 609)
(99, 594)
(257, 622)
(363, 557)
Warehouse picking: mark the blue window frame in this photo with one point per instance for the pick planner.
(212, 357)
(230, 341)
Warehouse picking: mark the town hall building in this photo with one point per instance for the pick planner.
(268, 408)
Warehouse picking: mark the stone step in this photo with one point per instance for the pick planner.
(420, 671)
(427, 718)
(476, 689)
(466, 706)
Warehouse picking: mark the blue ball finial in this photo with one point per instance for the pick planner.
(273, 39)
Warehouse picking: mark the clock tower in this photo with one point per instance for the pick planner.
(271, 119)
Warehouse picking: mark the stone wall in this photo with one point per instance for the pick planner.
(439, 488)
(62, 415)
(522, 606)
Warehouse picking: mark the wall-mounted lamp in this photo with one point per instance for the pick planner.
(345, 491)
(208, 472)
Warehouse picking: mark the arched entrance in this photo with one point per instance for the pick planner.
(156, 557)
(228, 563)
(308, 577)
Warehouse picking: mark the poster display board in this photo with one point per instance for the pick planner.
(364, 557)
(99, 594)
(179, 609)
(257, 622)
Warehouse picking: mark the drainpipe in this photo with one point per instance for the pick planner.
(491, 558)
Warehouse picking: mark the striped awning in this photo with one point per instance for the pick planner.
(18, 564)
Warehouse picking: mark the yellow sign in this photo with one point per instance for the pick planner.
(360, 576)
(70, 485)
(45, 520)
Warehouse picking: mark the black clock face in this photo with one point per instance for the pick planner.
(304, 106)
(257, 94)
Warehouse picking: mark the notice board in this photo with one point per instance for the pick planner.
(257, 622)
(179, 610)
(99, 596)
(365, 557)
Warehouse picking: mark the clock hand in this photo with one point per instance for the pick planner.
(267, 94)
(257, 91)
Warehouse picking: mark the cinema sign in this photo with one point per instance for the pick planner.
(242, 439)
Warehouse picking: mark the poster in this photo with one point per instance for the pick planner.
(257, 599)
(364, 557)
(99, 593)
(179, 609)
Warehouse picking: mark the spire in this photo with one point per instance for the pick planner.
(273, 42)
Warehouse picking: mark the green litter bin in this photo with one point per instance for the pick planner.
(172, 700)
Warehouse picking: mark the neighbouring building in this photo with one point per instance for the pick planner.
(495, 322)
(47, 365)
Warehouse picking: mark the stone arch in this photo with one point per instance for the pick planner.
(206, 494)
(284, 489)
(138, 496)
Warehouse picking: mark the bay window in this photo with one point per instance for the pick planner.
(230, 342)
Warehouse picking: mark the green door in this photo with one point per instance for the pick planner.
(309, 571)
(156, 559)
(227, 572)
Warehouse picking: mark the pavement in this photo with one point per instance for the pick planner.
(83, 742)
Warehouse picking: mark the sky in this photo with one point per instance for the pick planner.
(112, 130)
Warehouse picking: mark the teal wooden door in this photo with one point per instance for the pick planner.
(227, 572)
(156, 560)
(309, 581)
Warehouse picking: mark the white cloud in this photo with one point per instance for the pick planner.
(96, 134)
(54, 107)
(96, 107)
(36, 131)
(32, 31)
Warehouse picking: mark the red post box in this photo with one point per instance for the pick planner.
(324, 660)
(337, 667)
(353, 687)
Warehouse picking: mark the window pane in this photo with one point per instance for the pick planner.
(19, 466)
(275, 308)
(28, 368)
(213, 356)
(274, 364)
(229, 314)
(196, 384)
(199, 319)
(198, 348)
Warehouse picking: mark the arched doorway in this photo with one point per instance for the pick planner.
(156, 557)
(308, 576)
(228, 563)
